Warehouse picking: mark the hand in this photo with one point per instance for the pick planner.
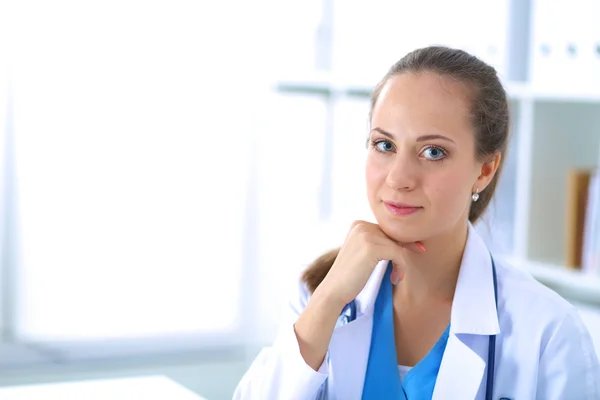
(365, 246)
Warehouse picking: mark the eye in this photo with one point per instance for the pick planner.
(384, 146)
(434, 153)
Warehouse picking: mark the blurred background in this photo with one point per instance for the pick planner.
(168, 168)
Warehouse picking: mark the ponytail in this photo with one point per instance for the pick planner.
(316, 272)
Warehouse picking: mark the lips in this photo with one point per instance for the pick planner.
(400, 205)
(401, 208)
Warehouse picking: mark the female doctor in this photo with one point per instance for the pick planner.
(415, 306)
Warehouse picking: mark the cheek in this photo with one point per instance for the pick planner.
(375, 174)
(449, 190)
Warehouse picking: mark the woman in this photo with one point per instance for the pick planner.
(415, 306)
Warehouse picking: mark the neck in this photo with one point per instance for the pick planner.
(434, 273)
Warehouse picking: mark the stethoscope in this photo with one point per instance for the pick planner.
(350, 313)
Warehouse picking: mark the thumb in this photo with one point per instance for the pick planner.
(397, 273)
(397, 268)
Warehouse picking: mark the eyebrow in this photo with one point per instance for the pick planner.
(419, 139)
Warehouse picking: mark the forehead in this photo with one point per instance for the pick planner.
(423, 102)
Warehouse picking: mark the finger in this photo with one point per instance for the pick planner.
(416, 247)
(397, 274)
(359, 222)
(393, 252)
(356, 225)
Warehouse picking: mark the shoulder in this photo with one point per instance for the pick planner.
(545, 328)
(519, 293)
(544, 317)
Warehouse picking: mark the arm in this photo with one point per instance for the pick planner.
(314, 328)
(282, 371)
(569, 367)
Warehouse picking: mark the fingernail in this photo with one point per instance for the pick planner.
(420, 246)
(399, 278)
(395, 277)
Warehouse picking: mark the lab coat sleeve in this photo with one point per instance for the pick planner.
(279, 372)
(569, 367)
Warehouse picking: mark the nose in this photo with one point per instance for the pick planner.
(403, 173)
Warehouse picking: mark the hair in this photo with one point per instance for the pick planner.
(489, 117)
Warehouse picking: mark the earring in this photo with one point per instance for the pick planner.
(475, 195)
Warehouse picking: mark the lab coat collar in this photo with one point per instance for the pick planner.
(474, 305)
(473, 319)
(365, 301)
(348, 356)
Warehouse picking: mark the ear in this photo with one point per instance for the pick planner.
(488, 171)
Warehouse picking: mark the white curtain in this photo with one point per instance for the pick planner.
(4, 87)
(133, 124)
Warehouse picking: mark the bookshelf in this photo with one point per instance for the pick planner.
(328, 83)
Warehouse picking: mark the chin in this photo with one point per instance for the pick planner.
(403, 231)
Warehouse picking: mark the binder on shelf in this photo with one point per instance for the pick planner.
(591, 236)
(564, 43)
(575, 40)
(546, 26)
(578, 181)
(595, 32)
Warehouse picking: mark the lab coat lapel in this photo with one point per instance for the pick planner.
(474, 318)
(461, 371)
(350, 343)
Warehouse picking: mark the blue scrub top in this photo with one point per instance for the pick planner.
(382, 379)
(419, 382)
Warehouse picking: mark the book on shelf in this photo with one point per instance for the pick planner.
(582, 220)
(577, 199)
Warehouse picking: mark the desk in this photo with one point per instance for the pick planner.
(143, 388)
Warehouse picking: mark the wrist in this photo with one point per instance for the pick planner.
(328, 300)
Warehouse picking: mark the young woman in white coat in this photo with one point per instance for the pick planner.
(415, 306)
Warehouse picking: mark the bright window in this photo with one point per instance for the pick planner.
(131, 132)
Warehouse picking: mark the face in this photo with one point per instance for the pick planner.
(421, 166)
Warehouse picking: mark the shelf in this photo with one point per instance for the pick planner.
(315, 82)
(329, 84)
(571, 284)
(571, 95)
(326, 83)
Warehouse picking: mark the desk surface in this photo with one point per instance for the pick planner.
(149, 387)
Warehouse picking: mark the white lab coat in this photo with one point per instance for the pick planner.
(543, 350)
